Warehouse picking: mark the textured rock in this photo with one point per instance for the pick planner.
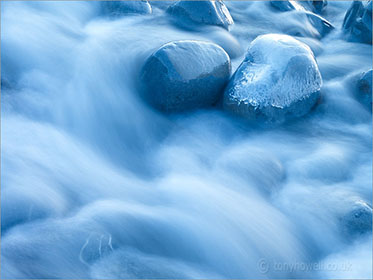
(364, 89)
(278, 80)
(201, 12)
(357, 23)
(185, 75)
(117, 8)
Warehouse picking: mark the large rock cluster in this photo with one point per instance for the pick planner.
(278, 80)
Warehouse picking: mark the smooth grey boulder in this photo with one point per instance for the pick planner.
(278, 80)
(117, 8)
(364, 89)
(357, 220)
(185, 75)
(201, 12)
(357, 24)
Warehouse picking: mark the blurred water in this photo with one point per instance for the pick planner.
(96, 184)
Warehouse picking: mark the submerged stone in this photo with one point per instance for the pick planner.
(185, 75)
(201, 12)
(5, 84)
(364, 89)
(278, 80)
(310, 24)
(358, 219)
(305, 24)
(117, 8)
(357, 24)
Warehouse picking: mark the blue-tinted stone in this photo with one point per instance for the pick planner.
(285, 6)
(364, 93)
(278, 80)
(357, 23)
(305, 14)
(322, 25)
(185, 75)
(319, 5)
(117, 8)
(201, 12)
(316, 6)
(358, 219)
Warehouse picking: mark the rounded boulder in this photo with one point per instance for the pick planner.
(357, 219)
(185, 75)
(278, 80)
(118, 8)
(201, 12)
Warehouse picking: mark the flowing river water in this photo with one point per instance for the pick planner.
(95, 184)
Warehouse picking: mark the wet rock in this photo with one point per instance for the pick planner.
(285, 6)
(316, 6)
(201, 12)
(278, 80)
(364, 89)
(320, 24)
(312, 5)
(357, 23)
(305, 24)
(117, 8)
(303, 21)
(358, 219)
(185, 75)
